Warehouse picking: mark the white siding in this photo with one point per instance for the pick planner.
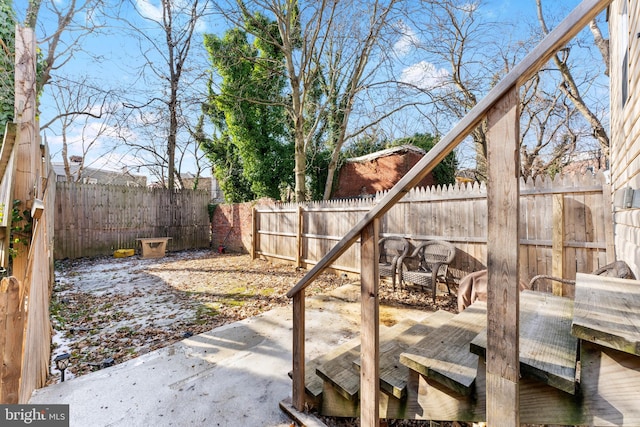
(625, 126)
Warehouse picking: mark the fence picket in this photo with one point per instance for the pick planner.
(97, 219)
(458, 214)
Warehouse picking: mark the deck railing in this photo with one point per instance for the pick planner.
(500, 109)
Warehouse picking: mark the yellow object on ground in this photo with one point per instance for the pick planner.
(122, 253)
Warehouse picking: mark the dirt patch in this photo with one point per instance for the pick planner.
(109, 310)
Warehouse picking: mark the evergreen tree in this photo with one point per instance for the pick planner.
(7, 43)
(247, 114)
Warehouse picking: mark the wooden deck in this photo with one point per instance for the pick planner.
(548, 351)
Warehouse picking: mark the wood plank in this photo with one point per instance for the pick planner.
(340, 367)
(610, 386)
(548, 351)
(557, 248)
(607, 312)
(401, 337)
(315, 373)
(503, 254)
(444, 355)
(11, 336)
(369, 326)
(298, 391)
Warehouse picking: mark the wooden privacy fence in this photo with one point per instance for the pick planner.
(26, 177)
(565, 226)
(94, 220)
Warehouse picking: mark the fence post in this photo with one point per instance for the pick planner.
(254, 231)
(28, 151)
(608, 222)
(300, 249)
(557, 242)
(12, 318)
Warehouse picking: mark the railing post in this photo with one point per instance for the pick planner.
(298, 393)
(370, 334)
(503, 201)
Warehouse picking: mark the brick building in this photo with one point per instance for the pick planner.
(365, 175)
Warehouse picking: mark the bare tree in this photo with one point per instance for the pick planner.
(571, 87)
(85, 118)
(466, 55)
(165, 36)
(62, 33)
(333, 53)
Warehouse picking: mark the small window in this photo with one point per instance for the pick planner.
(624, 52)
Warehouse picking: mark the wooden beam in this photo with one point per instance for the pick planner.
(608, 224)
(370, 333)
(298, 351)
(254, 232)
(28, 151)
(12, 318)
(556, 39)
(557, 245)
(299, 248)
(503, 201)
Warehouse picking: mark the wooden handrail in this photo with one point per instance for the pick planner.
(555, 40)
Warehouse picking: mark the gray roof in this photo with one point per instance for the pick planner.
(386, 152)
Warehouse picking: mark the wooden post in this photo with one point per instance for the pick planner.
(608, 223)
(11, 340)
(370, 334)
(557, 242)
(27, 155)
(254, 232)
(297, 398)
(503, 196)
(300, 249)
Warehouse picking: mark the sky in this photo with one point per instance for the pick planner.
(121, 58)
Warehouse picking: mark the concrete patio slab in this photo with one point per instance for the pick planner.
(233, 375)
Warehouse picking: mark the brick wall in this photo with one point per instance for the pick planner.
(366, 177)
(231, 226)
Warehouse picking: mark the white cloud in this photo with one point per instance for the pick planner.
(408, 39)
(425, 75)
(149, 10)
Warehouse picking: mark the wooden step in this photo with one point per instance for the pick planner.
(393, 374)
(607, 312)
(548, 351)
(340, 370)
(444, 354)
(314, 383)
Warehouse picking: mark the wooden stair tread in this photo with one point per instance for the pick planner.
(444, 354)
(548, 351)
(340, 370)
(393, 374)
(606, 312)
(314, 383)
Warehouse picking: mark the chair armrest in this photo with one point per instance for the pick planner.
(532, 282)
